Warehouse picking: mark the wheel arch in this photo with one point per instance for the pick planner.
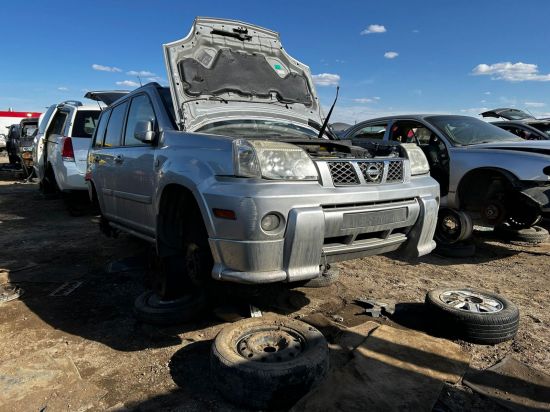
(480, 180)
(173, 196)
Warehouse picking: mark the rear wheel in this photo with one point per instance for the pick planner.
(48, 184)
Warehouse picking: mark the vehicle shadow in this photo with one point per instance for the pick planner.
(488, 249)
(46, 253)
(384, 374)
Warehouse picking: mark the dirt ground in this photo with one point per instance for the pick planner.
(135, 366)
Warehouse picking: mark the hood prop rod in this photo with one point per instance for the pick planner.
(325, 123)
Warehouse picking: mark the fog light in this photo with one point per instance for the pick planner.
(270, 222)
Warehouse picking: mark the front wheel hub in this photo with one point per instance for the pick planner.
(469, 301)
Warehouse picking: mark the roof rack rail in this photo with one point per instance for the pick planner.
(72, 102)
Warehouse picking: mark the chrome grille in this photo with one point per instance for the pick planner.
(372, 172)
(343, 173)
(395, 171)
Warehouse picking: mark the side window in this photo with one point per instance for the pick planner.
(58, 124)
(373, 131)
(102, 126)
(114, 127)
(410, 132)
(141, 110)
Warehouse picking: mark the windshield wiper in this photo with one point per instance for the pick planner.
(325, 123)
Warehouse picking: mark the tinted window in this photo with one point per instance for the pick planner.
(85, 123)
(114, 128)
(58, 123)
(373, 131)
(140, 111)
(100, 133)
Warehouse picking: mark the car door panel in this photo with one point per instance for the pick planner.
(135, 178)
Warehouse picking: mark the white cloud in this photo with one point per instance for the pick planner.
(156, 79)
(367, 99)
(128, 83)
(474, 111)
(63, 89)
(141, 73)
(102, 68)
(511, 72)
(416, 31)
(487, 93)
(391, 55)
(374, 28)
(534, 104)
(326, 79)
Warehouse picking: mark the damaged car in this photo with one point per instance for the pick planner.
(487, 175)
(230, 175)
(520, 123)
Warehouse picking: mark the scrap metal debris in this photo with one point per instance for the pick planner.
(66, 288)
(9, 292)
(255, 312)
(376, 308)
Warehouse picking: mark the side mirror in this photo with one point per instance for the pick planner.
(144, 131)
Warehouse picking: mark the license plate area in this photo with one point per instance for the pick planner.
(374, 218)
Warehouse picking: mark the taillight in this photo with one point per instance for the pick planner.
(67, 152)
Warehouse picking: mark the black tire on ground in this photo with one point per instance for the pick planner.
(487, 326)
(327, 278)
(453, 226)
(268, 362)
(456, 250)
(149, 308)
(534, 234)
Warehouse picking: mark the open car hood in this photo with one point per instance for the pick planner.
(508, 114)
(229, 66)
(106, 96)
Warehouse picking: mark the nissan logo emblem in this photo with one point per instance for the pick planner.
(372, 173)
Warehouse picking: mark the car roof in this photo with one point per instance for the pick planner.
(411, 117)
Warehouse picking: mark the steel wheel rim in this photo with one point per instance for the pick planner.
(271, 345)
(469, 301)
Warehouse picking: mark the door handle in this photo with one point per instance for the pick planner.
(119, 158)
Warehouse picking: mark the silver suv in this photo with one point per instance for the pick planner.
(226, 172)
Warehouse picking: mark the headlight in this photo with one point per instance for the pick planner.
(272, 160)
(417, 159)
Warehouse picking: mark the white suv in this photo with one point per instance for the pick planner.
(62, 143)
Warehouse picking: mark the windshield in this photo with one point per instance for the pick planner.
(464, 130)
(258, 128)
(29, 130)
(543, 127)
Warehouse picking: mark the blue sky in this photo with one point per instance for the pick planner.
(448, 56)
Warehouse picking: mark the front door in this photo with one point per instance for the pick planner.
(136, 172)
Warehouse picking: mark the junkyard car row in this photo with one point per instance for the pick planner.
(233, 175)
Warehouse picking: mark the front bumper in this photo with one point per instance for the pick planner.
(539, 195)
(320, 227)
